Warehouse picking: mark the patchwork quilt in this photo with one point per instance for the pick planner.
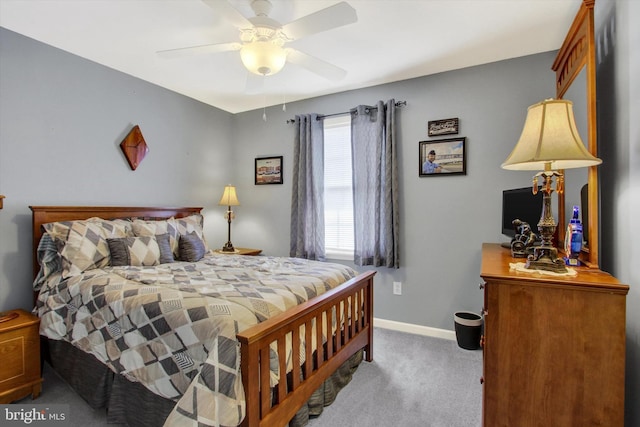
(172, 327)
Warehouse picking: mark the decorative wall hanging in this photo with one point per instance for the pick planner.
(269, 170)
(443, 127)
(134, 147)
(443, 157)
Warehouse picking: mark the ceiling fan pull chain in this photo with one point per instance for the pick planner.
(264, 109)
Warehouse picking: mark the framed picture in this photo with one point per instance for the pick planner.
(443, 157)
(269, 170)
(443, 127)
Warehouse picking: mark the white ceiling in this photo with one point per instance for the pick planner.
(392, 40)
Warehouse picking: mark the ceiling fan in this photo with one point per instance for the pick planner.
(263, 40)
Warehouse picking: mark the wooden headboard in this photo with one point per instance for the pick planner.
(44, 214)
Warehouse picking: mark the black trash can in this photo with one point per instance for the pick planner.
(468, 329)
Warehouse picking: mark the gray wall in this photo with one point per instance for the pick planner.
(62, 119)
(618, 68)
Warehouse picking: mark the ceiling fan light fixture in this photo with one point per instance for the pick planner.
(263, 57)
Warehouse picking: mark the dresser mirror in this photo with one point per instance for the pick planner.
(576, 81)
(576, 179)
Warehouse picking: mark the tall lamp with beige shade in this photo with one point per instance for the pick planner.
(228, 199)
(549, 141)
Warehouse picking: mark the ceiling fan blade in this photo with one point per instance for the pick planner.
(326, 19)
(254, 84)
(183, 52)
(229, 13)
(315, 65)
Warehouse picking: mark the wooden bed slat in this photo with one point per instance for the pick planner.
(308, 333)
(295, 360)
(282, 368)
(329, 319)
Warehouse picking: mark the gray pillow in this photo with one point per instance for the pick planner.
(191, 247)
(166, 254)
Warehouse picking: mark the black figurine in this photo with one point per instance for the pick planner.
(524, 241)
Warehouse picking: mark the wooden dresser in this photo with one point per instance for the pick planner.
(20, 357)
(554, 347)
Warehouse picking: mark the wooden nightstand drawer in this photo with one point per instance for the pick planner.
(20, 355)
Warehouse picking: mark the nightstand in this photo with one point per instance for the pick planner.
(240, 251)
(20, 354)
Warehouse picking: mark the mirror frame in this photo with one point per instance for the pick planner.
(578, 52)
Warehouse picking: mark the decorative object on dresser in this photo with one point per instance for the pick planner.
(549, 141)
(268, 170)
(20, 350)
(228, 199)
(134, 147)
(553, 346)
(524, 241)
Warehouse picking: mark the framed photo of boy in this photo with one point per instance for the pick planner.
(442, 157)
(269, 170)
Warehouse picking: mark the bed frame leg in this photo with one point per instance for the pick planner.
(368, 349)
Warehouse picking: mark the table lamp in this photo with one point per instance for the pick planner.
(549, 141)
(229, 199)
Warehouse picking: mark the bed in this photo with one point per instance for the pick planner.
(311, 321)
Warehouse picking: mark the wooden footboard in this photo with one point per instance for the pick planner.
(349, 306)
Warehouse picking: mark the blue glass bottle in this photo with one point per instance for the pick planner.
(573, 238)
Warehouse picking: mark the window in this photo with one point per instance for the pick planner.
(338, 193)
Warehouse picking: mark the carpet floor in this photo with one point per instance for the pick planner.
(414, 381)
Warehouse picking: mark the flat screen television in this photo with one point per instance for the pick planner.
(522, 204)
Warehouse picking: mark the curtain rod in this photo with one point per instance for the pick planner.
(322, 116)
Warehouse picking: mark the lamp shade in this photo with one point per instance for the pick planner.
(263, 57)
(550, 138)
(229, 197)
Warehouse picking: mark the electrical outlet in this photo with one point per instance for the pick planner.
(397, 288)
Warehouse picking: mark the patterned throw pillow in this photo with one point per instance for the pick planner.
(83, 244)
(166, 254)
(172, 226)
(153, 228)
(192, 247)
(138, 251)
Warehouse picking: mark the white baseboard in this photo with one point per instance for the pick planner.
(414, 329)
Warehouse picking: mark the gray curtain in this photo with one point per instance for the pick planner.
(375, 185)
(307, 195)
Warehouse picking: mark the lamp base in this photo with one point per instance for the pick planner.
(546, 258)
(228, 247)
